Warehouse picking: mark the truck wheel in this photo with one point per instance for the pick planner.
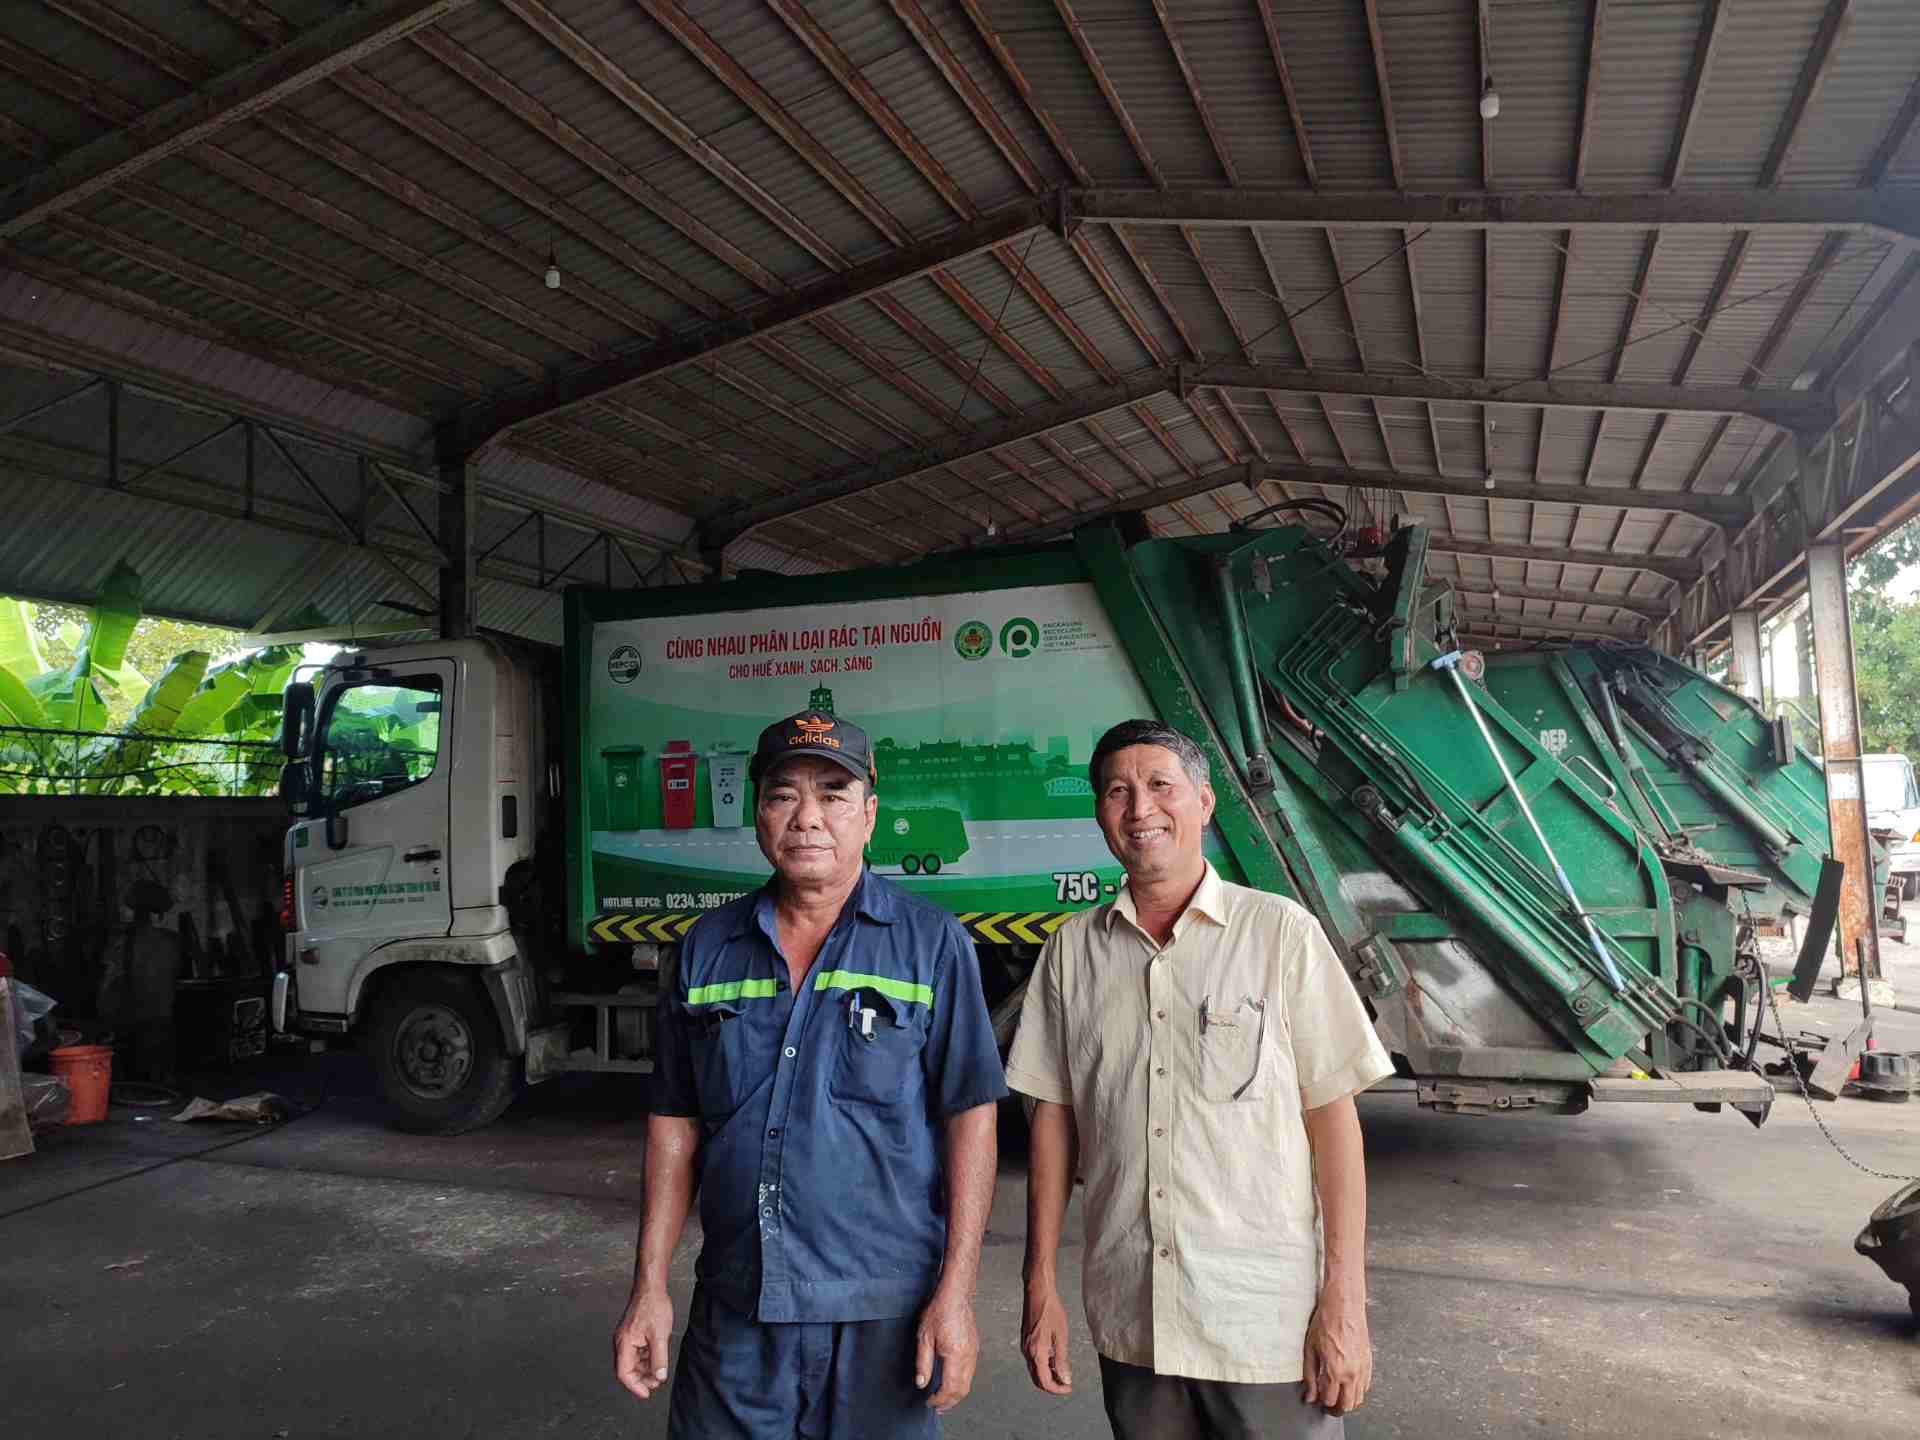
(1910, 886)
(933, 864)
(437, 1050)
(910, 864)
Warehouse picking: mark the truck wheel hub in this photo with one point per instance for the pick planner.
(434, 1049)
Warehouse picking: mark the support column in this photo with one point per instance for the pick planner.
(456, 549)
(1840, 750)
(1745, 676)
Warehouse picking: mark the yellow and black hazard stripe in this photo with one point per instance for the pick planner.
(625, 928)
(1010, 927)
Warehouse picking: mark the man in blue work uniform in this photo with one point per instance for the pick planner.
(826, 1074)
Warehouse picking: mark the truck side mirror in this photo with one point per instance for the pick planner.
(296, 720)
(296, 786)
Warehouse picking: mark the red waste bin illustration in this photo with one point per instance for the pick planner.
(678, 767)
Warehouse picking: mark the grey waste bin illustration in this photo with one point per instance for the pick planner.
(623, 785)
(727, 777)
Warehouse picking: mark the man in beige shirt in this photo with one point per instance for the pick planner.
(1193, 1050)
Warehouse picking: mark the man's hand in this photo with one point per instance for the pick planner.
(1339, 1354)
(1043, 1340)
(640, 1344)
(948, 1334)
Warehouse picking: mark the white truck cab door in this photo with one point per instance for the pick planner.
(385, 748)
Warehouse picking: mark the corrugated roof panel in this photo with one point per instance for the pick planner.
(1066, 277)
(1775, 264)
(893, 63)
(1538, 59)
(1846, 293)
(1303, 265)
(964, 41)
(1163, 249)
(1601, 271)
(1112, 258)
(1874, 62)
(1646, 55)
(1045, 53)
(1227, 47)
(1380, 297)
(993, 288)
(1242, 275)
(1331, 62)
(1525, 269)
(901, 356)
(1433, 71)
(80, 48)
(1132, 46)
(1560, 454)
(1448, 265)
(1763, 45)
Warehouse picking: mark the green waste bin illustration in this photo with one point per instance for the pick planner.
(918, 838)
(623, 785)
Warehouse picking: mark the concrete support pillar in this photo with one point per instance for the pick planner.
(1745, 675)
(1840, 748)
(457, 507)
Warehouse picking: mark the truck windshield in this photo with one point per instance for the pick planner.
(1890, 783)
(379, 739)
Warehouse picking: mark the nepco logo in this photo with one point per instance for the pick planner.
(623, 665)
(815, 730)
(973, 640)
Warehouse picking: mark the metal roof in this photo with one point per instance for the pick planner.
(847, 282)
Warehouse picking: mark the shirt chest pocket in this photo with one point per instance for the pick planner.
(730, 1054)
(879, 1046)
(1233, 1053)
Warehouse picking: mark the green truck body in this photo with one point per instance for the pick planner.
(1405, 807)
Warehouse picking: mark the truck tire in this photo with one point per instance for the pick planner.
(442, 1065)
(932, 864)
(910, 864)
(1910, 886)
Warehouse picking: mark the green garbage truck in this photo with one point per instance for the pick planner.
(1525, 932)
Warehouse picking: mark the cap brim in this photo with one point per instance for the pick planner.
(812, 752)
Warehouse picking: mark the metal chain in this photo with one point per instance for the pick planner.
(1773, 1003)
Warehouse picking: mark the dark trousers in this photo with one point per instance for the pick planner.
(1144, 1406)
(741, 1379)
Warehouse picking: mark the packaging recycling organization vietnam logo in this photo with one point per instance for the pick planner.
(1019, 637)
(973, 640)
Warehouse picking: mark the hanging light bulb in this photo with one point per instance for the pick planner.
(1489, 101)
(553, 268)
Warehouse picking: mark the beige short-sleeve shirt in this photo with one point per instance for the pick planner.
(1189, 1068)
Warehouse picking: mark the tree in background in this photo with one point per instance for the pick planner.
(1886, 644)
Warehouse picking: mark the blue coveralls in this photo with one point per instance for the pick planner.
(822, 1188)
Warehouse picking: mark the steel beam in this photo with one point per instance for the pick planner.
(731, 525)
(565, 391)
(227, 99)
(1494, 590)
(1792, 410)
(1718, 509)
(1682, 570)
(1476, 626)
(1850, 209)
(1840, 755)
(1746, 676)
(457, 507)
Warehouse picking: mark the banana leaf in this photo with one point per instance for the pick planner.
(114, 762)
(19, 646)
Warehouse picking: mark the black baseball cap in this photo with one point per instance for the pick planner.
(816, 733)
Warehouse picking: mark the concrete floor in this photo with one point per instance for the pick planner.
(1633, 1272)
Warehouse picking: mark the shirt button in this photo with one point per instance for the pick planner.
(1159, 1194)
(1161, 1070)
(1158, 1132)
(790, 1052)
(768, 1212)
(1164, 1252)
(1159, 1014)
(774, 1134)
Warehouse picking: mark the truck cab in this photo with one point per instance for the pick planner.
(419, 879)
(1893, 810)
